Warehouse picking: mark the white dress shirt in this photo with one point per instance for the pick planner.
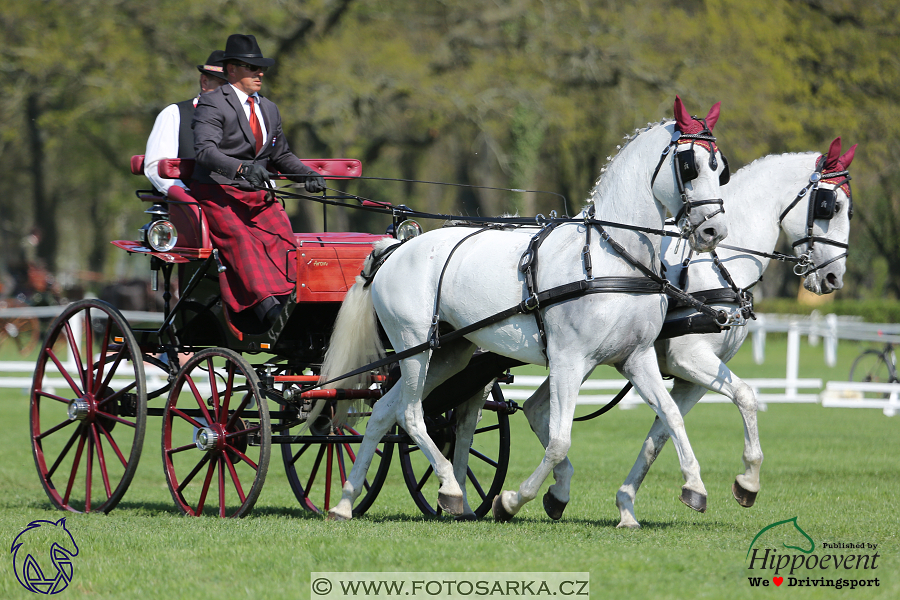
(163, 143)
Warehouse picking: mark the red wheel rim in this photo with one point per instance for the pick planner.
(88, 413)
(215, 436)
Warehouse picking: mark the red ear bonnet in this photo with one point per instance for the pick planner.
(683, 121)
(713, 116)
(834, 161)
(686, 124)
(847, 158)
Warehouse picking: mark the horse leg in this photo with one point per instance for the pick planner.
(685, 396)
(642, 369)
(467, 416)
(382, 419)
(707, 369)
(746, 486)
(563, 387)
(537, 411)
(410, 415)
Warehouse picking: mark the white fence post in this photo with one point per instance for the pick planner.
(793, 361)
(759, 340)
(831, 339)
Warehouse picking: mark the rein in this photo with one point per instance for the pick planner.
(653, 284)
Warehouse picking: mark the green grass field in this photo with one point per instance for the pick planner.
(836, 470)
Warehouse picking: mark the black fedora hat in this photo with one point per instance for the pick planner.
(213, 65)
(244, 48)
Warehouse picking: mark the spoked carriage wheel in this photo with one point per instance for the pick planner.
(88, 408)
(317, 469)
(488, 459)
(216, 436)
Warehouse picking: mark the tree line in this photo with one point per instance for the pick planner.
(522, 94)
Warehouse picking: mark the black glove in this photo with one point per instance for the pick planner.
(314, 184)
(255, 174)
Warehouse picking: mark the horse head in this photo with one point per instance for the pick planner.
(689, 175)
(822, 230)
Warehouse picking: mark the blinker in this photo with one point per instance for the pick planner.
(687, 165)
(824, 202)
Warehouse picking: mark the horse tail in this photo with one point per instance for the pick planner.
(355, 339)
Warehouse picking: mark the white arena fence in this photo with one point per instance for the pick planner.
(827, 329)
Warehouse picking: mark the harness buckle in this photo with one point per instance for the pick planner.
(531, 302)
(804, 266)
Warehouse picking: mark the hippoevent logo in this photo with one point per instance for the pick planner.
(803, 563)
(42, 556)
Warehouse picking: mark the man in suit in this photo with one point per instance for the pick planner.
(237, 135)
(172, 136)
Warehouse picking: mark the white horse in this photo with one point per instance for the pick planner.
(761, 203)
(482, 278)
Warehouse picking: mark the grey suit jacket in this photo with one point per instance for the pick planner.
(223, 140)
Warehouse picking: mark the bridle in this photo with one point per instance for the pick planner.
(685, 164)
(821, 205)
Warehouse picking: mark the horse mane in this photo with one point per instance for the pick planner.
(619, 149)
(771, 156)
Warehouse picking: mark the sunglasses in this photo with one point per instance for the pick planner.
(252, 68)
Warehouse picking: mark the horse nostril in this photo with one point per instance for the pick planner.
(832, 280)
(710, 233)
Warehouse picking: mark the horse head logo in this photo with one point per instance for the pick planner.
(42, 556)
(812, 544)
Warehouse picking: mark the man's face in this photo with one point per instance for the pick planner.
(246, 78)
(208, 83)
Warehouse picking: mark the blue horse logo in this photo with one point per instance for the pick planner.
(30, 550)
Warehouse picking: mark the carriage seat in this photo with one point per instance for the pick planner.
(185, 212)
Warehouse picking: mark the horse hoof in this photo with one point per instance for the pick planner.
(553, 507)
(500, 513)
(451, 504)
(744, 498)
(634, 526)
(333, 516)
(693, 499)
(467, 517)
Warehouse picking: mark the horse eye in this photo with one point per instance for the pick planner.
(837, 207)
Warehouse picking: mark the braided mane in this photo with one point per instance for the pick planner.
(619, 148)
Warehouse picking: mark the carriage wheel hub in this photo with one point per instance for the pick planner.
(79, 409)
(207, 439)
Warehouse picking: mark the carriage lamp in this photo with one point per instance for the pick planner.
(159, 235)
(408, 229)
(159, 210)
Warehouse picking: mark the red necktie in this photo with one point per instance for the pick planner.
(254, 125)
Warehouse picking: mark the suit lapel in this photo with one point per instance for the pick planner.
(240, 116)
(268, 118)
